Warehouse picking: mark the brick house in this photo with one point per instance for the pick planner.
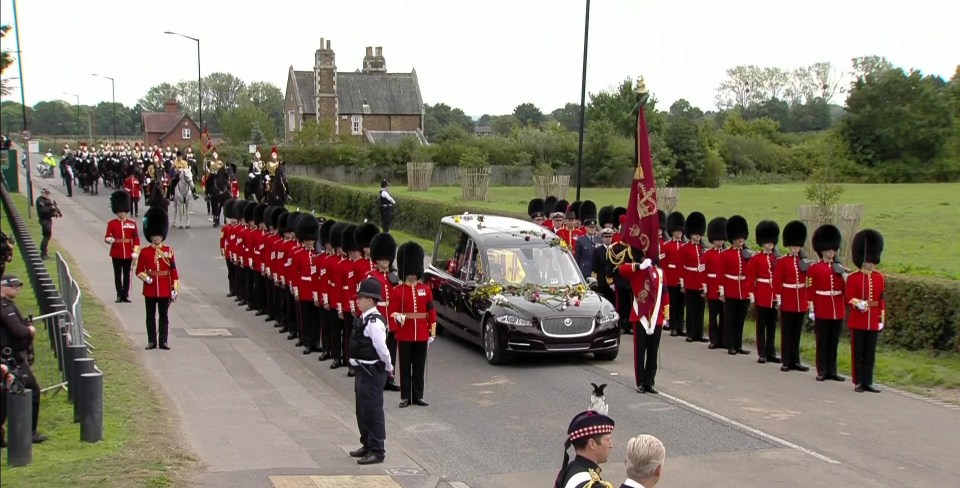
(170, 127)
(370, 104)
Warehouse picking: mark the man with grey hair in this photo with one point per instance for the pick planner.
(645, 456)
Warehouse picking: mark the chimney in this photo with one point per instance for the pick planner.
(379, 52)
(171, 106)
(374, 63)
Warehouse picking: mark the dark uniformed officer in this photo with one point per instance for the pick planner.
(16, 339)
(371, 362)
(46, 210)
(386, 205)
(590, 433)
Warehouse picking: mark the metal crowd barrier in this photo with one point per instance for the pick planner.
(71, 293)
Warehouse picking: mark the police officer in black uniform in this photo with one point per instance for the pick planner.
(386, 206)
(46, 210)
(16, 346)
(371, 360)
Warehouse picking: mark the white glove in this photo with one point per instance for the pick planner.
(173, 296)
(812, 316)
(779, 301)
(399, 317)
(134, 255)
(666, 323)
(149, 280)
(430, 340)
(683, 287)
(110, 240)
(862, 306)
(881, 326)
(646, 264)
(752, 299)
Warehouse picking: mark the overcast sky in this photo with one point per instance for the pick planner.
(484, 57)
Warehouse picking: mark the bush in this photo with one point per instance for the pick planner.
(413, 215)
(924, 313)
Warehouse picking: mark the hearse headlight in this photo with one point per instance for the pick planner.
(513, 320)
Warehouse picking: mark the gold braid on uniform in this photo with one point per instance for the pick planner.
(595, 481)
(618, 258)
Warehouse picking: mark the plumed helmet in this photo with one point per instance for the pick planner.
(549, 204)
(737, 228)
(618, 214)
(696, 224)
(588, 213)
(364, 234)
(349, 240)
(283, 221)
(383, 246)
(119, 201)
(155, 223)
(826, 238)
(258, 211)
(795, 234)
(675, 222)
(867, 247)
(535, 208)
(717, 229)
(248, 209)
(605, 216)
(308, 227)
(410, 258)
(575, 208)
(325, 231)
(336, 234)
(767, 231)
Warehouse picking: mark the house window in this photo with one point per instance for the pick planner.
(185, 133)
(291, 120)
(357, 124)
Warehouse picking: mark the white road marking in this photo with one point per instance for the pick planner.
(757, 432)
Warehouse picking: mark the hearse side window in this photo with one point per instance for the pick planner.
(470, 267)
(450, 240)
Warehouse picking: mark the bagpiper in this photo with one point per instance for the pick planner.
(734, 291)
(590, 435)
(124, 240)
(157, 268)
(693, 282)
(790, 288)
(760, 286)
(826, 305)
(868, 307)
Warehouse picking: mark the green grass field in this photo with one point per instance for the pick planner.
(918, 221)
(139, 447)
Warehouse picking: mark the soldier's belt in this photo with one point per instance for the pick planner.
(415, 315)
(692, 268)
(764, 280)
(872, 303)
(735, 277)
(711, 275)
(383, 304)
(795, 286)
(122, 241)
(157, 273)
(829, 293)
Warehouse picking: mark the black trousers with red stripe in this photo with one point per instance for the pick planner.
(646, 349)
(863, 346)
(347, 329)
(413, 366)
(715, 322)
(735, 313)
(791, 325)
(695, 303)
(828, 337)
(677, 306)
(309, 325)
(766, 332)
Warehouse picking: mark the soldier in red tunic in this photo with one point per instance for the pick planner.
(760, 286)
(363, 265)
(350, 279)
(335, 278)
(270, 241)
(577, 226)
(321, 289)
(672, 264)
(568, 233)
(413, 317)
(790, 288)
(234, 184)
(245, 253)
(535, 209)
(308, 229)
(258, 237)
(865, 294)
(157, 268)
(826, 306)
(124, 241)
(131, 184)
(693, 281)
(734, 291)
(227, 240)
(549, 205)
(383, 250)
(558, 215)
(286, 276)
(646, 345)
(713, 268)
(278, 255)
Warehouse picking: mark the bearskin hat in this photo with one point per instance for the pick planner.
(618, 214)
(349, 240)
(258, 211)
(325, 231)
(119, 201)
(588, 213)
(606, 216)
(275, 217)
(410, 258)
(795, 234)
(336, 234)
(826, 238)
(767, 231)
(575, 208)
(268, 215)
(675, 222)
(737, 228)
(283, 221)
(535, 208)
(292, 222)
(155, 223)
(228, 208)
(364, 234)
(383, 246)
(248, 209)
(549, 205)
(561, 206)
(717, 229)
(696, 224)
(661, 218)
(867, 247)
(308, 227)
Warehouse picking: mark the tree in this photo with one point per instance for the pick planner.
(6, 59)
(314, 133)
(11, 116)
(256, 134)
(743, 86)
(484, 120)
(156, 96)
(104, 119)
(53, 118)
(440, 116)
(238, 124)
(568, 116)
(617, 107)
(221, 92)
(897, 119)
(504, 124)
(869, 66)
(267, 97)
(186, 96)
(528, 114)
(682, 136)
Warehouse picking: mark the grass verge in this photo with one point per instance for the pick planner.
(140, 446)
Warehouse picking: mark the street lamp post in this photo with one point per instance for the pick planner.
(113, 90)
(23, 103)
(79, 130)
(583, 99)
(199, 78)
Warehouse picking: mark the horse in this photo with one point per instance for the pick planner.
(218, 189)
(182, 195)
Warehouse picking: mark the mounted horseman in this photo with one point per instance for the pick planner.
(217, 187)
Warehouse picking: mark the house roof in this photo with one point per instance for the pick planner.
(394, 137)
(384, 93)
(162, 122)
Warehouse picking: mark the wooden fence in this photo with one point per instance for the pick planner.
(475, 183)
(845, 217)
